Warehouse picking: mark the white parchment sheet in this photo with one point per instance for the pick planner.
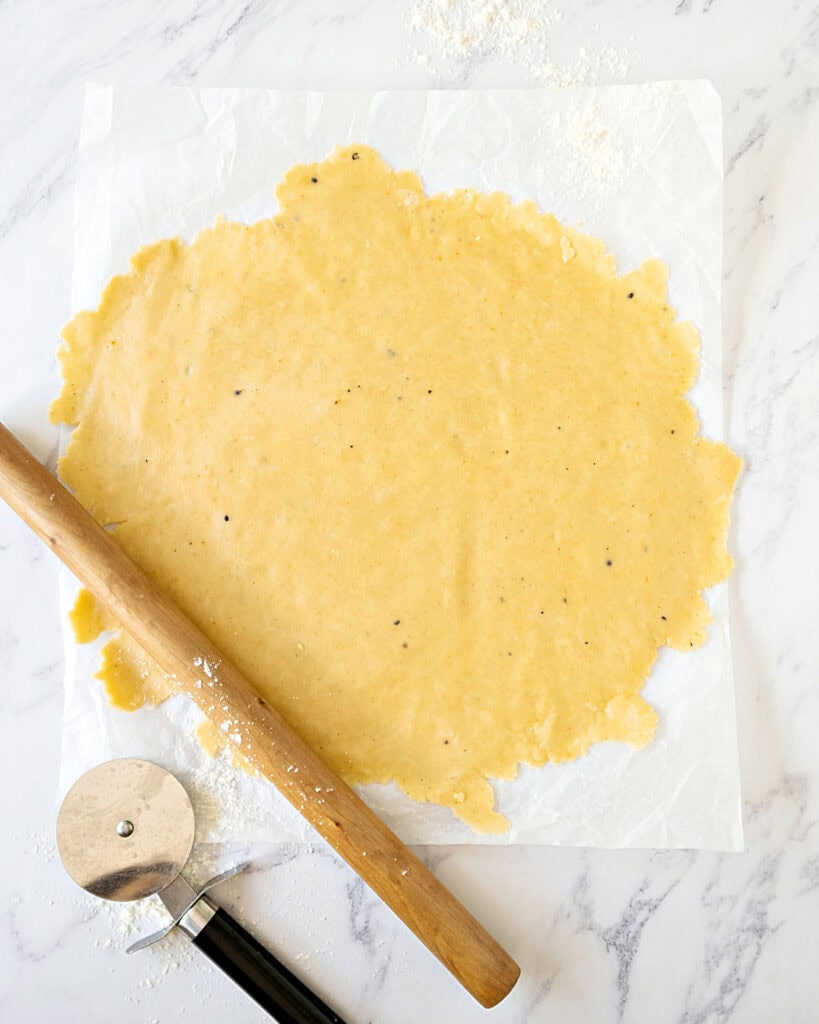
(638, 166)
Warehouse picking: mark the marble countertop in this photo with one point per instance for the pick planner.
(602, 936)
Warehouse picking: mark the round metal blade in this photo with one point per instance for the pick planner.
(125, 829)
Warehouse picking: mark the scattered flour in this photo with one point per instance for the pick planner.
(127, 922)
(605, 158)
(42, 845)
(483, 28)
(222, 797)
(516, 31)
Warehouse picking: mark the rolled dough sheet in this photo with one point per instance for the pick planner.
(421, 466)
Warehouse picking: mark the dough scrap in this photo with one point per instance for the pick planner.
(421, 466)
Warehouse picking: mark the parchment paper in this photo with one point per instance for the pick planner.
(638, 166)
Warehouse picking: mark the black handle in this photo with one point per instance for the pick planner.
(259, 973)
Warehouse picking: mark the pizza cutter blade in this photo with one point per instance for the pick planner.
(125, 831)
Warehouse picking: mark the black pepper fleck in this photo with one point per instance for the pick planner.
(405, 645)
(314, 181)
(630, 295)
(355, 156)
(608, 561)
(397, 622)
(237, 391)
(227, 519)
(664, 618)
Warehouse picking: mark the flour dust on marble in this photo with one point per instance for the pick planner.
(520, 32)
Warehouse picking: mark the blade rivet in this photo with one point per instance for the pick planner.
(125, 828)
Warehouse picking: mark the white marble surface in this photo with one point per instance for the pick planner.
(671, 938)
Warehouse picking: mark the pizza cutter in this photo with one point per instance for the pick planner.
(125, 831)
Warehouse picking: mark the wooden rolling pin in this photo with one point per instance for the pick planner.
(260, 733)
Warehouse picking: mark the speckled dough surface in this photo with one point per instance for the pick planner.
(422, 467)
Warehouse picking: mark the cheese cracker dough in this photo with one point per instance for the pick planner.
(421, 466)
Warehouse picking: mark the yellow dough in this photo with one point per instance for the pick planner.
(421, 466)
(87, 619)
